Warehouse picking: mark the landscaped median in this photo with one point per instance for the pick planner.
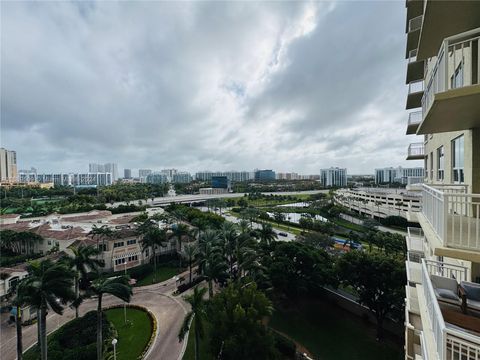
(77, 338)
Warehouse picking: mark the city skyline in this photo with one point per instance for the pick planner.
(231, 108)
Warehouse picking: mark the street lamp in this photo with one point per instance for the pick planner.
(114, 343)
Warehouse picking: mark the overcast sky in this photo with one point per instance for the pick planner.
(207, 85)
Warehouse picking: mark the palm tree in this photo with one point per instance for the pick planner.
(197, 302)
(212, 264)
(19, 301)
(179, 231)
(190, 251)
(49, 285)
(102, 233)
(116, 286)
(154, 237)
(266, 234)
(81, 262)
(228, 235)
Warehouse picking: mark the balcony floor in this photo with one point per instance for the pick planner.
(469, 322)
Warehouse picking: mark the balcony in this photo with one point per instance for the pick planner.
(415, 68)
(413, 34)
(415, 94)
(454, 216)
(442, 19)
(452, 90)
(414, 119)
(416, 151)
(414, 9)
(448, 333)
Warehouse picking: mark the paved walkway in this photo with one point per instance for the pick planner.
(169, 312)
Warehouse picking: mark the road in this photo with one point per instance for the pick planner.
(169, 312)
(193, 198)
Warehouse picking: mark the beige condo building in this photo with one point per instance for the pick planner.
(442, 313)
(8, 165)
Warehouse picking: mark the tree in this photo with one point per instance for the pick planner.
(49, 285)
(266, 234)
(190, 251)
(116, 286)
(379, 281)
(237, 331)
(152, 238)
(297, 269)
(318, 240)
(179, 231)
(81, 262)
(279, 217)
(197, 302)
(211, 264)
(19, 301)
(228, 235)
(101, 233)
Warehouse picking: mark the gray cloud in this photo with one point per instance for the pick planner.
(290, 86)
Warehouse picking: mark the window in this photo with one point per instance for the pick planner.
(118, 244)
(120, 261)
(425, 166)
(131, 242)
(458, 150)
(102, 247)
(456, 80)
(431, 165)
(440, 163)
(133, 258)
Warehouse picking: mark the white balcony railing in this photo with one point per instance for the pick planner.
(412, 55)
(415, 240)
(415, 118)
(456, 66)
(415, 23)
(450, 343)
(423, 346)
(415, 87)
(453, 214)
(416, 150)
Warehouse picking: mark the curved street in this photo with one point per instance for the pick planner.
(168, 310)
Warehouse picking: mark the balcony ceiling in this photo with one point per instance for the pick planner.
(414, 100)
(412, 129)
(443, 19)
(415, 71)
(416, 157)
(412, 42)
(453, 110)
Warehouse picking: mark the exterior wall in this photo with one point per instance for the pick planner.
(8, 165)
(333, 177)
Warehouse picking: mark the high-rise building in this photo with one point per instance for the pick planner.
(181, 177)
(8, 165)
(443, 262)
(264, 175)
(233, 176)
(287, 176)
(111, 168)
(156, 178)
(221, 182)
(399, 175)
(71, 179)
(334, 176)
(143, 173)
(127, 173)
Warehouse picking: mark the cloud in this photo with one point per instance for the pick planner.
(293, 86)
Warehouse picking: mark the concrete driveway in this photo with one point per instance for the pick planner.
(169, 312)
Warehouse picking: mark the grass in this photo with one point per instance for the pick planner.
(163, 273)
(190, 350)
(331, 333)
(133, 337)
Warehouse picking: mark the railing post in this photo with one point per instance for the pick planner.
(445, 220)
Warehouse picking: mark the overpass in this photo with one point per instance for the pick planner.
(188, 199)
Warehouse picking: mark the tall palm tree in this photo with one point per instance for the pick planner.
(197, 302)
(212, 264)
(19, 301)
(190, 251)
(49, 285)
(180, 231)
(229, 237)
(267, 234)
(116, 286)
(81, 262)
(152, 238)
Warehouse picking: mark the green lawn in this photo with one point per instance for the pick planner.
(331, 333)
(190, 350)
(163, 273)
(133, 337)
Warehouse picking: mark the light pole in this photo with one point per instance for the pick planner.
(114, 343)
(125, 304)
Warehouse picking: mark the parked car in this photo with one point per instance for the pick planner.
(283, 234)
